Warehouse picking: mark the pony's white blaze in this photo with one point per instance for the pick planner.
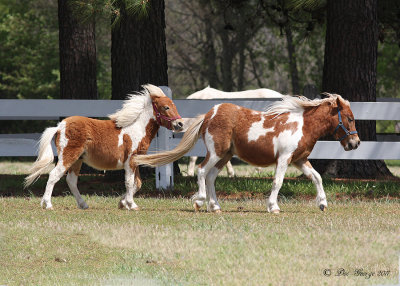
(257, 130)
(287, 141)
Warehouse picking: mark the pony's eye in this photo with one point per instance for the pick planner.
(350, 119)
(166, 108)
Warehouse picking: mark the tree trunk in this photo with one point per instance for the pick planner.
(77, 55)
(210, 56)
(294, 74)
(138, 50)
(350, 70)
(138, 56)
(227, 58)
(242, 58)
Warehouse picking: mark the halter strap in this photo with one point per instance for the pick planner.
(160, 116)
(347, 132)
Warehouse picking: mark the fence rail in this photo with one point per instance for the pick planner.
(15, 145)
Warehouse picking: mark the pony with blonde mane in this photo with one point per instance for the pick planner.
(105, 144)
(212, 93)
(284, 134)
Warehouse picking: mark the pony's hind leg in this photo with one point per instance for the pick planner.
(72, 181)
(311, 173)
(202, 172)
(213, 204)
(67, 157)
(54, 176)
(133, 184)
(281, 167)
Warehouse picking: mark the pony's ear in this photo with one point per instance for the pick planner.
(327, 95)
(339, 103)
(154, 96)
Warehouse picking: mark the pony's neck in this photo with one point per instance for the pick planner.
(318, 121)
(145, 126)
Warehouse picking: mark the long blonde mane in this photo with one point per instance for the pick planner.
(134, 105)
(295, 104)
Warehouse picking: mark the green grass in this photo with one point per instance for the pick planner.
(393, 163)
(166, 243)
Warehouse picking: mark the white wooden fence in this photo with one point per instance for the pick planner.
(16, 145)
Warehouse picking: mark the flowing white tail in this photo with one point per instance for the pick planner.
(45, 157)
(185, 145)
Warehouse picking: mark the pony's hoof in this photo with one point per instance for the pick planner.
(217, 211)
(196, 207)
(275, 211)
(83, 206)
(121, 205)
(322, 208)
(135, 209)
(46, 206)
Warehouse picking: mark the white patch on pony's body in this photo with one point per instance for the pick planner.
(257, 130)
(137, 130)
(287, 141)
(63, 141)
(215, 110)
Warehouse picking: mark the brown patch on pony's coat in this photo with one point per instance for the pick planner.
(76, 167)
(98, 144)
(229, 129)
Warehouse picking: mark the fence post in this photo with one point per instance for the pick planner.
(164, 174)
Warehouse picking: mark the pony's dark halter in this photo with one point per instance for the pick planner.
(160, 116)
(347, 132)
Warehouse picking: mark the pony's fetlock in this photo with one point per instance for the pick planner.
(213, 207)
(46, 204)
(129, 205)
(273, 207)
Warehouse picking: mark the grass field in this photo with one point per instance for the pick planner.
(166, 243)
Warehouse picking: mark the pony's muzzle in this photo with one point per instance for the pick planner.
(352, 144)
(178, 125)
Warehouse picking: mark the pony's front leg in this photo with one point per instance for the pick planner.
(281, 166)
(133, 184)
(306, 167)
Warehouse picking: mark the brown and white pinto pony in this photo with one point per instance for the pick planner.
(212, 93)
(284, 134)
(105, 144)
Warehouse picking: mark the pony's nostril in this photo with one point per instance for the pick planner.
(358, 143)
(180, 124)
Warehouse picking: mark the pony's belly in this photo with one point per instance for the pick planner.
(257, 157)
(101, 163)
